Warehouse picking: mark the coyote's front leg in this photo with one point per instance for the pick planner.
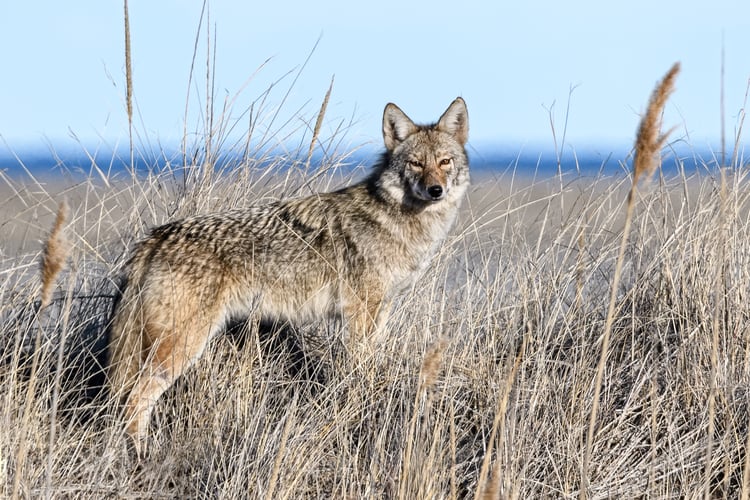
(366, 314)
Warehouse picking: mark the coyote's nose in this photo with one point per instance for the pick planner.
(435, 191)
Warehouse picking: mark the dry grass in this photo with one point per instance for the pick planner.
(484, 387)
(486, 378)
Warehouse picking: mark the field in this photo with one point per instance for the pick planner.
(506, 372)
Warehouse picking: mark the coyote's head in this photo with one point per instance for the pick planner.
(427, 163)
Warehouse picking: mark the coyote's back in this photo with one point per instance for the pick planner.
(344, 253)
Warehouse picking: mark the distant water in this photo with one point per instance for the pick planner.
(544, 163)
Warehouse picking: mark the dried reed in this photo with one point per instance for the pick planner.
(128, 81)
(54, 254)
(318, 125)
(428, 373)
(648, 144)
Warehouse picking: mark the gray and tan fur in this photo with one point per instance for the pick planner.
(344, 253)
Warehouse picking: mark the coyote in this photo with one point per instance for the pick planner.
(343, 254)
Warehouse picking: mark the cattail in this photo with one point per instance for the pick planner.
(649, 139)
(55, 252)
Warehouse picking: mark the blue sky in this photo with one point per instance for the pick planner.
(513, 62)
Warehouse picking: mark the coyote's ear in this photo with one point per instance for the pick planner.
(396, 126)
(455, 121)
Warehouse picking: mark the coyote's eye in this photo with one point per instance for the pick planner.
(416, 163)
(446, 161)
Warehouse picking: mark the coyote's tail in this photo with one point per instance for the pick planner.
(125, 351)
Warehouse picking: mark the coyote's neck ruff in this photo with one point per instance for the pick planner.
(343, 253)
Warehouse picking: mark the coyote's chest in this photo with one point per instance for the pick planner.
(414, 249)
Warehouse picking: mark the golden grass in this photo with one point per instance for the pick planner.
(484, 387)
(484, 384)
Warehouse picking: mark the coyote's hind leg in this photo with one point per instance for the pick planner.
(175, 346)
